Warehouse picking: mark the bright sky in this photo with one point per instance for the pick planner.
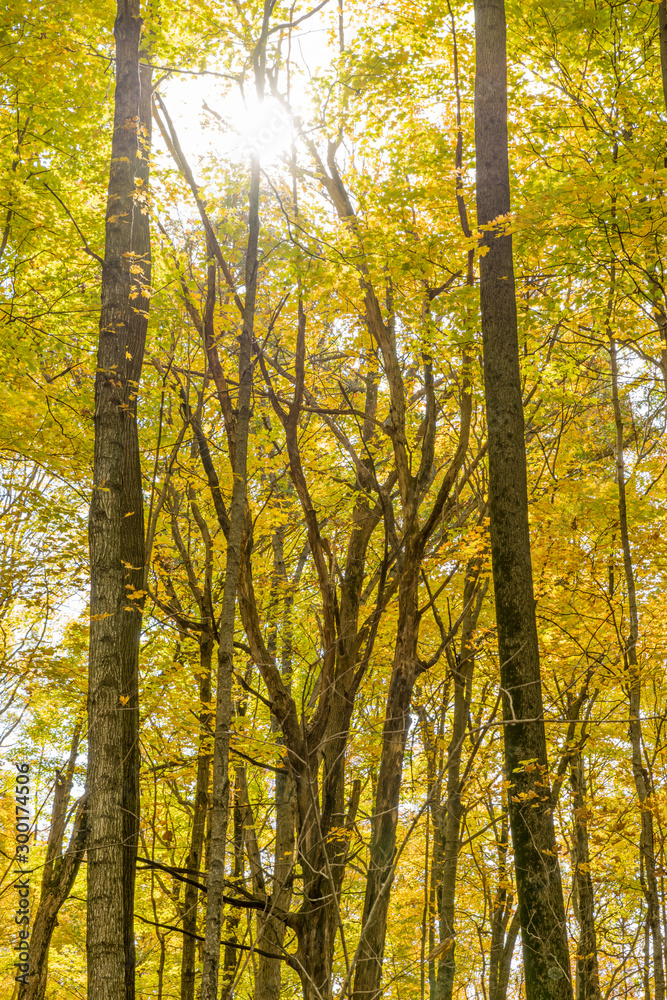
(246, 123)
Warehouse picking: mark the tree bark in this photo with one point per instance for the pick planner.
(116, 547)
(542, 913)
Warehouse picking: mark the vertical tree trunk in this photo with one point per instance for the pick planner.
(113, 696)
(462, 667)
(641, 778)
(194, 859)
(503, 937)
(394, 736)
(542, 913)
(233, 916)
(662, 38)
(132, 515)
(588, 976)
(220, 789)
(271, 929)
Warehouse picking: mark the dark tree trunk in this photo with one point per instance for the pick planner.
(542, 913)
(116, 545)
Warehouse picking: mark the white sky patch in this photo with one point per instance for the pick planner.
(214, 118)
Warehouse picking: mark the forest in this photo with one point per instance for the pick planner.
(333, 499)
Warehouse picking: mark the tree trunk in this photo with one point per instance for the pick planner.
(504, 930)
(194, 859)
(113, 697)
(394, 736)
(588, 976)
(220, 789)
(662, 37)
(271, 929)
(641, 778)
(60, 871)
(542, 913)
(233, 917)
(462, 667)
(132, 518)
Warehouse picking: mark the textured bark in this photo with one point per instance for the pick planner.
(60, 871)
(640, 775)
(542, 913)
(113, 697)
(223, 718)
(194, 858)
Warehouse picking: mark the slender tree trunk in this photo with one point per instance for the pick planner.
(233, 920)
(220, 789)
(542, 913)
(394, 736)
(271, 929)
(662, 36)
(641, 778)
(132, 517)
(504, 930)
(194, 859)
(60, 871)
(588, 976)
(113, 697)
(462, 667)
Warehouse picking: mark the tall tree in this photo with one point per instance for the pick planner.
(541, 909)
(237, 519)
(116, 532)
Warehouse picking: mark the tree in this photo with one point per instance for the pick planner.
(541, 909)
